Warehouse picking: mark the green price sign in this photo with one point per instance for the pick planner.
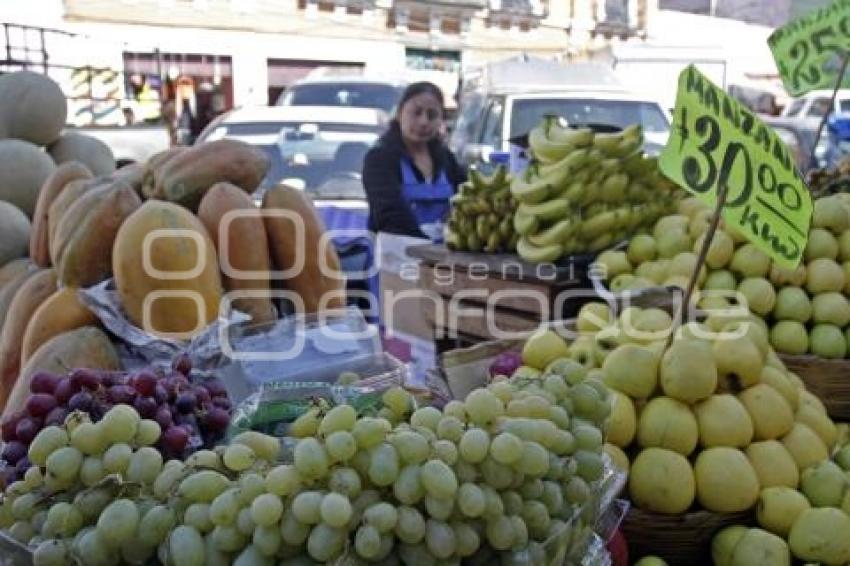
(716, 141)
(809, 50)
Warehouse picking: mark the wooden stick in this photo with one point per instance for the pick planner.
(831, 102)
(678, 319)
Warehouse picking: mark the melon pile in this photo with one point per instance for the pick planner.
(180, 235)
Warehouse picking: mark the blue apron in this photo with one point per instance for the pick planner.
(429, 202)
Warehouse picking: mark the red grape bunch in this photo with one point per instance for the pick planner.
(191, 412)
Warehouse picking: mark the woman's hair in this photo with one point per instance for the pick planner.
(415, 89)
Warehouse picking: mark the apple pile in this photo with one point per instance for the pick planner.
(807, 308)
(710, 420)
(793, 522)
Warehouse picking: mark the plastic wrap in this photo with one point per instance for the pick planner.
(13, 553)
(278, 403)
(137, 348)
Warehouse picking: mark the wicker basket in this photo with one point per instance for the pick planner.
(828, 380)
(678, 539)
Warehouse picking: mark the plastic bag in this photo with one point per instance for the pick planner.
(278, 403)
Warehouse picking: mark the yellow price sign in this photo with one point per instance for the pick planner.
(809, 50)
(716, 141)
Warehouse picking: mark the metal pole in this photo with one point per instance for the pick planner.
(831, 103)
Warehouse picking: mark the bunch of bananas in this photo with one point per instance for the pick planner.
(585, 191)
(481, 218)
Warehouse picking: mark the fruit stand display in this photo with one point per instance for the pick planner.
(525, 452)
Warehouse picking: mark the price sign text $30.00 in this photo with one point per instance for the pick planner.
(718, 142)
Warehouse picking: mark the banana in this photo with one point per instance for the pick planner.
(493, 220)
(578, 137)
(506, 228)
(608, 143)
(549, 210)
(473, 242)
(599, 224)
(545, 150)
(575, 192)
(608, 166)
(613, 188)
(482, 229)
(555, 234)
(633, 131)
(452, 239)
(525, 224)
(628, 146)
(493, 243)
(511, 247)
(534, 254)
(601, 242)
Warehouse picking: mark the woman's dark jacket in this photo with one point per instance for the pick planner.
(388, 211)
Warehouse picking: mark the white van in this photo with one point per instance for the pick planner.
(815, 104)
(512, 97)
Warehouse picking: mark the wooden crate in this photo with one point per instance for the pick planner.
(828, 380)
(476, 297)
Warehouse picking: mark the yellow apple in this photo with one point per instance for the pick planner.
(622, 423)
(723, 544)
(632, 369)
(667, 423)
(761, 548)
(661, 481)
(805, 446)
(771, 414)
(688, 371)
(723, 421)
(821, 535)
(773, 464)
(779, 507)
(726, 482)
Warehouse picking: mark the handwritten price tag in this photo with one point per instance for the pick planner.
(809, 50)
(717, 141)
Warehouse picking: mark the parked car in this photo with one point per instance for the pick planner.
(321, 150)
(815, 104)
(348, 91)
(799, 135)
(130, 144)
(510, 102)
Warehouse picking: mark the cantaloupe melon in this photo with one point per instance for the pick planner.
(88, 150)
(14, 233)
(34, 108)
(25, 167)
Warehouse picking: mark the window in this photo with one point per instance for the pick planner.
(844, 106)
(467, 120)
(819, 107)
(364, 95)
(796, 107)
(492, 133)
(621, 113)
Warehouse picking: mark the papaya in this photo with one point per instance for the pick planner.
(180, 287)
(15, 231)
(241, 243)
(29, 297)
(86, 257)
(132, 174)
(60, 206)
(34, 107)
(60, 312)
(320, 286)
(12, 269)
(73, 216)
(64, 174)
(7, 293)
(185, 177)
(73, 146)
(155, 162)
(85, 347)
(25, 167)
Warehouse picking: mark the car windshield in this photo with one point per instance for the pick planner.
(364, 95)
(621, 113)
(327, 157)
